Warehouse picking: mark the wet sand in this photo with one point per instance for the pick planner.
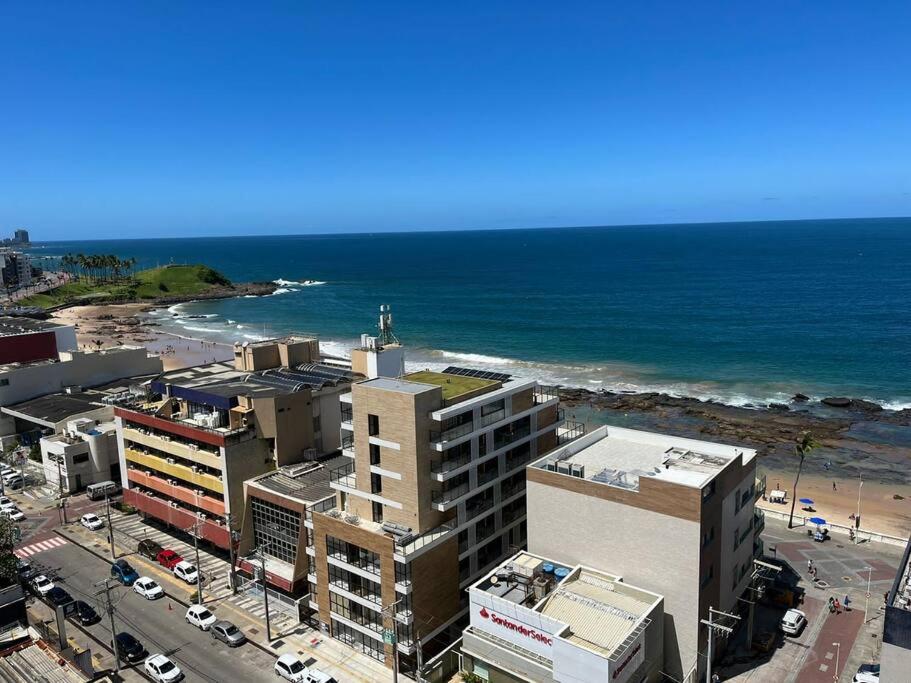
(128, 324)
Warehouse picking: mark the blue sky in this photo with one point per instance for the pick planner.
(146, 119)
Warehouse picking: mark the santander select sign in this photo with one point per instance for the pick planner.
(516, 627)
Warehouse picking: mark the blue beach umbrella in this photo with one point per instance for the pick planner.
(819, 521)
(806, 501)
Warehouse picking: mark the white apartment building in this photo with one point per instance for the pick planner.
(86, 453)
(673, 514)
(533, 619)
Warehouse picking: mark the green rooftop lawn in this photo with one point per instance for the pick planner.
(453, 385)
(155, 283)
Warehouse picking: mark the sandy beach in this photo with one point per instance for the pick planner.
(127, 324)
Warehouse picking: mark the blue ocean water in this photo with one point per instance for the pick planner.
(740, 312)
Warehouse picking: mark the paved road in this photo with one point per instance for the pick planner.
(158, 628)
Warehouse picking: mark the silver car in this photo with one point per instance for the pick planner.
(227, 633)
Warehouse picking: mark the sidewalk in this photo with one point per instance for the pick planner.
(313, 647)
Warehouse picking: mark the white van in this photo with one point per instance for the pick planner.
(98, 490)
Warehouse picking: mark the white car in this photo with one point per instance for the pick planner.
(42, 584)
(793, 622)
(147, 588)
(867, 673)
(291, 669)
(186, 571)
(201, 617)
(6, 503)
(91, 521)
(162, 669)
(14, 514)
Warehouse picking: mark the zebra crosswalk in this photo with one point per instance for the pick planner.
(40, 546)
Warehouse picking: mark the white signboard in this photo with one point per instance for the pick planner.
(512, 628)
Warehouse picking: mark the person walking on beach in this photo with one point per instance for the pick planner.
(834, 487)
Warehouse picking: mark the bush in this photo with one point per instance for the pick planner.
(125, 508)
(162, 286)
(34, 453)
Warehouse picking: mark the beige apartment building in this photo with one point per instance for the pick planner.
(431, 497)
(673, 515)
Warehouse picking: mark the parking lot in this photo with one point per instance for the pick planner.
(832, 645)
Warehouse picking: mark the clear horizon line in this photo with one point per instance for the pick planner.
(682, 223)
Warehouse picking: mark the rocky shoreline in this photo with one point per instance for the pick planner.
(851, 432)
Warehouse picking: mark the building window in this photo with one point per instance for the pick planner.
(377, 510)
(736, 537)
(81, 458)
(317, 424)
(734, 577)
(709, 575)
(4, 382)
(708, 537)
(373, 425)
(353, 555)
(275, 529)
(356, 612)
(376, 483)
(402, 572)
(708, 491)
(358, 641)
(374, 454)
(736, 501)
(355, 583)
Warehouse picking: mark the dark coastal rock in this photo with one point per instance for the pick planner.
(867, 406)
(780, 407)
(800, 398)
(837, 402)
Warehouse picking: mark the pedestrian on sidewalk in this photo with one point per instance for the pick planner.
(847, 602)
(809, 566)
(837, 606)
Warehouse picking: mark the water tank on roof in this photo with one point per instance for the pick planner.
(548, 568)
(561, 573)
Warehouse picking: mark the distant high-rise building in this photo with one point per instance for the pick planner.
(21, 236)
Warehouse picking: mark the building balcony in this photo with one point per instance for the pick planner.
(439, 438)
(569, 431)
(442, 467)
(178, 517)
(348, 445)
(176, 446)
(180, 426)
(181, 493)
(445, 499)
(544, 394)
(344, 477)
(183, 472)
(758, 521)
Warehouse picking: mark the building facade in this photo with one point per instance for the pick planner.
(675, 515)
(431, 497)
(895, 659)
(534, 619)
(187, 447)
(85, 453)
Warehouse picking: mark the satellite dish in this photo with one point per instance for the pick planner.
(494, 580)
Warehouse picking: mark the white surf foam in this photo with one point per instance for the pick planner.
(295, 283)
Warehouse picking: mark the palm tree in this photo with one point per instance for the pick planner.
(805, 444)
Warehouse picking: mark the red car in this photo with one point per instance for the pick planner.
(168, 558)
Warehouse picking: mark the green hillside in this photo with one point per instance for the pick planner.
(146, 285)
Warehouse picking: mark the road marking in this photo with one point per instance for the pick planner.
(35, 548)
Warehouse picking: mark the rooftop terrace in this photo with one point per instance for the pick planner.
(619, 457)
(453, 386)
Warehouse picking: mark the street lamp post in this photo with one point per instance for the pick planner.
(867, 594)
(857, 518)
(837, 657)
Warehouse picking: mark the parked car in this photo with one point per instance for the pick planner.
(147, 588)
(867, 673)
(7, 504)
(149, 548)
(186, 571)
(123, 572)
(128, 648)
(86, 613)
(42, 584)
(162, 669)
(199, 616)
(91, 521)
(13, 483)
(317, 676)
(57, 596)
(15, 514)
(291, 668)
(167, 558)
(227, 633)
(793, 622)
(23, 566)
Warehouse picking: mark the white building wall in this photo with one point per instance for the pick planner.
(76, 368)
(648, 549)
(734, 519)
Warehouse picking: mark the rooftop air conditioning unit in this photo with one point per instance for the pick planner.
(172, 504)
(195, 468)
(201, 515)
(193, 446)
(171, 461)
(200, 492)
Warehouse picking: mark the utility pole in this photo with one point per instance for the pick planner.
(194, 531)
(390, 637)
(857, 518)
(231, 541)
(260, 551)
(107, 508)
(60, 489)
(109, 608)
(715, 626)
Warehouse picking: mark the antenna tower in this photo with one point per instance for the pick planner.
(387, 336)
